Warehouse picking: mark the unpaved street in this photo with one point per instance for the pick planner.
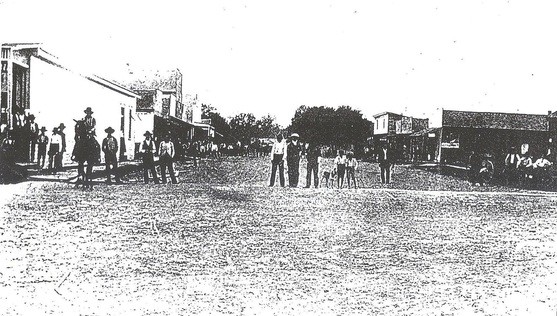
(222, 242)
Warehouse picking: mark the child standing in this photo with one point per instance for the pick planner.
(351, 166)
(340, 162)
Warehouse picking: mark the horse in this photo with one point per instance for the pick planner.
(86, 149)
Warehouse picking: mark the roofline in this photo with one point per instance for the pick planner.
(44, 51)
(18, 46)
(53, 60)
(500, 129)
(114, 86)
(393, 113)
(94, 78)
(505, 113)
(387, 112)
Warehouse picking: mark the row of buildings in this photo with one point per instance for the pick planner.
(34, 81)
(462, 132)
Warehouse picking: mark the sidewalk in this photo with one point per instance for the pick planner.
(69, 171)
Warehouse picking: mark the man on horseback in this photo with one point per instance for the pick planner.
(86, 149)
(90, 122)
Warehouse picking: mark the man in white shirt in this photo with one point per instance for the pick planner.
(278, 156)
(166, 155)
(55, 149)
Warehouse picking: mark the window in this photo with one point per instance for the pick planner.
(384, 123)
(122, 120)
(130, 126)
(6, 52)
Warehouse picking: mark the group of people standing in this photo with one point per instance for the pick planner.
(289, 151)
(166, 153)
(29, 144)
(522, 167)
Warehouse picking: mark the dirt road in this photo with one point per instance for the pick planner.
(222, 242)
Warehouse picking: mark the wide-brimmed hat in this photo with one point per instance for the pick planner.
(43, 129)
(294, 135)
(55, 129)
(31, 117)
(61, 126)
(109, 130)
(88, 110)
(147, 133)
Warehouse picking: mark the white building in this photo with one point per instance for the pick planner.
(34, 81)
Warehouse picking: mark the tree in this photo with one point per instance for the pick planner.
(267, 127)
(217, 121)
(206, 110)
(243, 127)
(322, 125)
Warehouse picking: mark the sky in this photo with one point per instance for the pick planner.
(270, 57)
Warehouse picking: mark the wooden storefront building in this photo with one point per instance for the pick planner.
(490, 132)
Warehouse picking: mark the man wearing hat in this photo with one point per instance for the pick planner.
(89, 121)
(510, 169)
(386, 162)
(42, 142)
(147, 150)
(54, 150)
(31, 134)
(278, 155)
(293, 160)
(110, 149)
(166, 155)
(61, 129)
(313, 154)
(60, 157)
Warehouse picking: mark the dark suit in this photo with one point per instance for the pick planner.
(293, 162)
(148, 150)
(386, 161)
(31, 134)
(90, 124)
(110, 160)
(313, 166)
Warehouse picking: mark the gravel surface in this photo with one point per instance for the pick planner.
(222, 242)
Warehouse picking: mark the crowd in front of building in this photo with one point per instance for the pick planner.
(26, 143)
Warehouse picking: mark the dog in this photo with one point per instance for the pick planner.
(329, 176)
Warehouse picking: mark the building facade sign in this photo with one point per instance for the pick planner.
(450, 145)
